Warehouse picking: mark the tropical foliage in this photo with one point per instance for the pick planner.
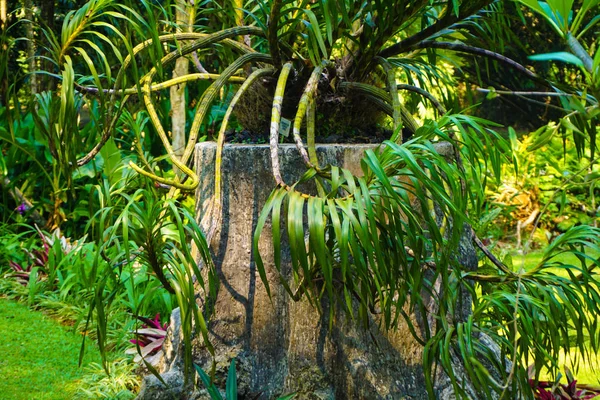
(542, 194)
(385, 241)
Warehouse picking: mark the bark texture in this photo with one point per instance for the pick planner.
(282, 346)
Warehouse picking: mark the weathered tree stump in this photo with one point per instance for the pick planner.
(282, 346)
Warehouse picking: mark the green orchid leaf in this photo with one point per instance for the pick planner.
(558, 56)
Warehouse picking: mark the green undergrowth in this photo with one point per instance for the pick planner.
(39, 356)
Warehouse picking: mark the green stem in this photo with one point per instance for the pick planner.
(305, 100)
(217, 201)
(205, 101)
(159, 86)
(463, 48)
(382, 99)
(310, 133)
(393, 90)
(272, 32)
(202, 38)
(449, 18)
(276, 119)
(436, 103)
(166, 143)
(580, 52)
(211, 93)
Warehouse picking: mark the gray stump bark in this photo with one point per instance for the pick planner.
(283, 346)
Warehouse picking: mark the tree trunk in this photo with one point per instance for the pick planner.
(47, 18)
(3, 12)
(4, 49)
(30, 34)
(282, 346)
(185, 15)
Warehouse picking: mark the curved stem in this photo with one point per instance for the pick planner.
(211, 93)
(187, 186)
(393, 90)
(215, 213)
(276, 119)
(225, 34)
(165, 140)
(272, 31)
(580, 52)
(525, 93)
(166, 143)
(310, 134)
(158, 86)
(436, 103)
(463, 48)
(205, 102)
(202, 40)
(449, 18)
(491, 256)
(382, 99)
(376, 99)
(156, 120)
(305, 100)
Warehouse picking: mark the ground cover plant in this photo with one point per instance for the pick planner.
(89, 148)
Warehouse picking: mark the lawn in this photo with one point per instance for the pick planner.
(533, 258)
(584, 373)
(39, 356)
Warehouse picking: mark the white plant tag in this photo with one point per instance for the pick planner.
(284, 127)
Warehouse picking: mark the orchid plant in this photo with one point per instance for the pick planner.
(382, 242)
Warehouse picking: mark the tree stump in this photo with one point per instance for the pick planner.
(282, 346)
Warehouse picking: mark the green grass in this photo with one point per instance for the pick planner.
(38, 356)
(532, 259)
(588, 372)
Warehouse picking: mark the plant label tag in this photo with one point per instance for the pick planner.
(284, 127)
